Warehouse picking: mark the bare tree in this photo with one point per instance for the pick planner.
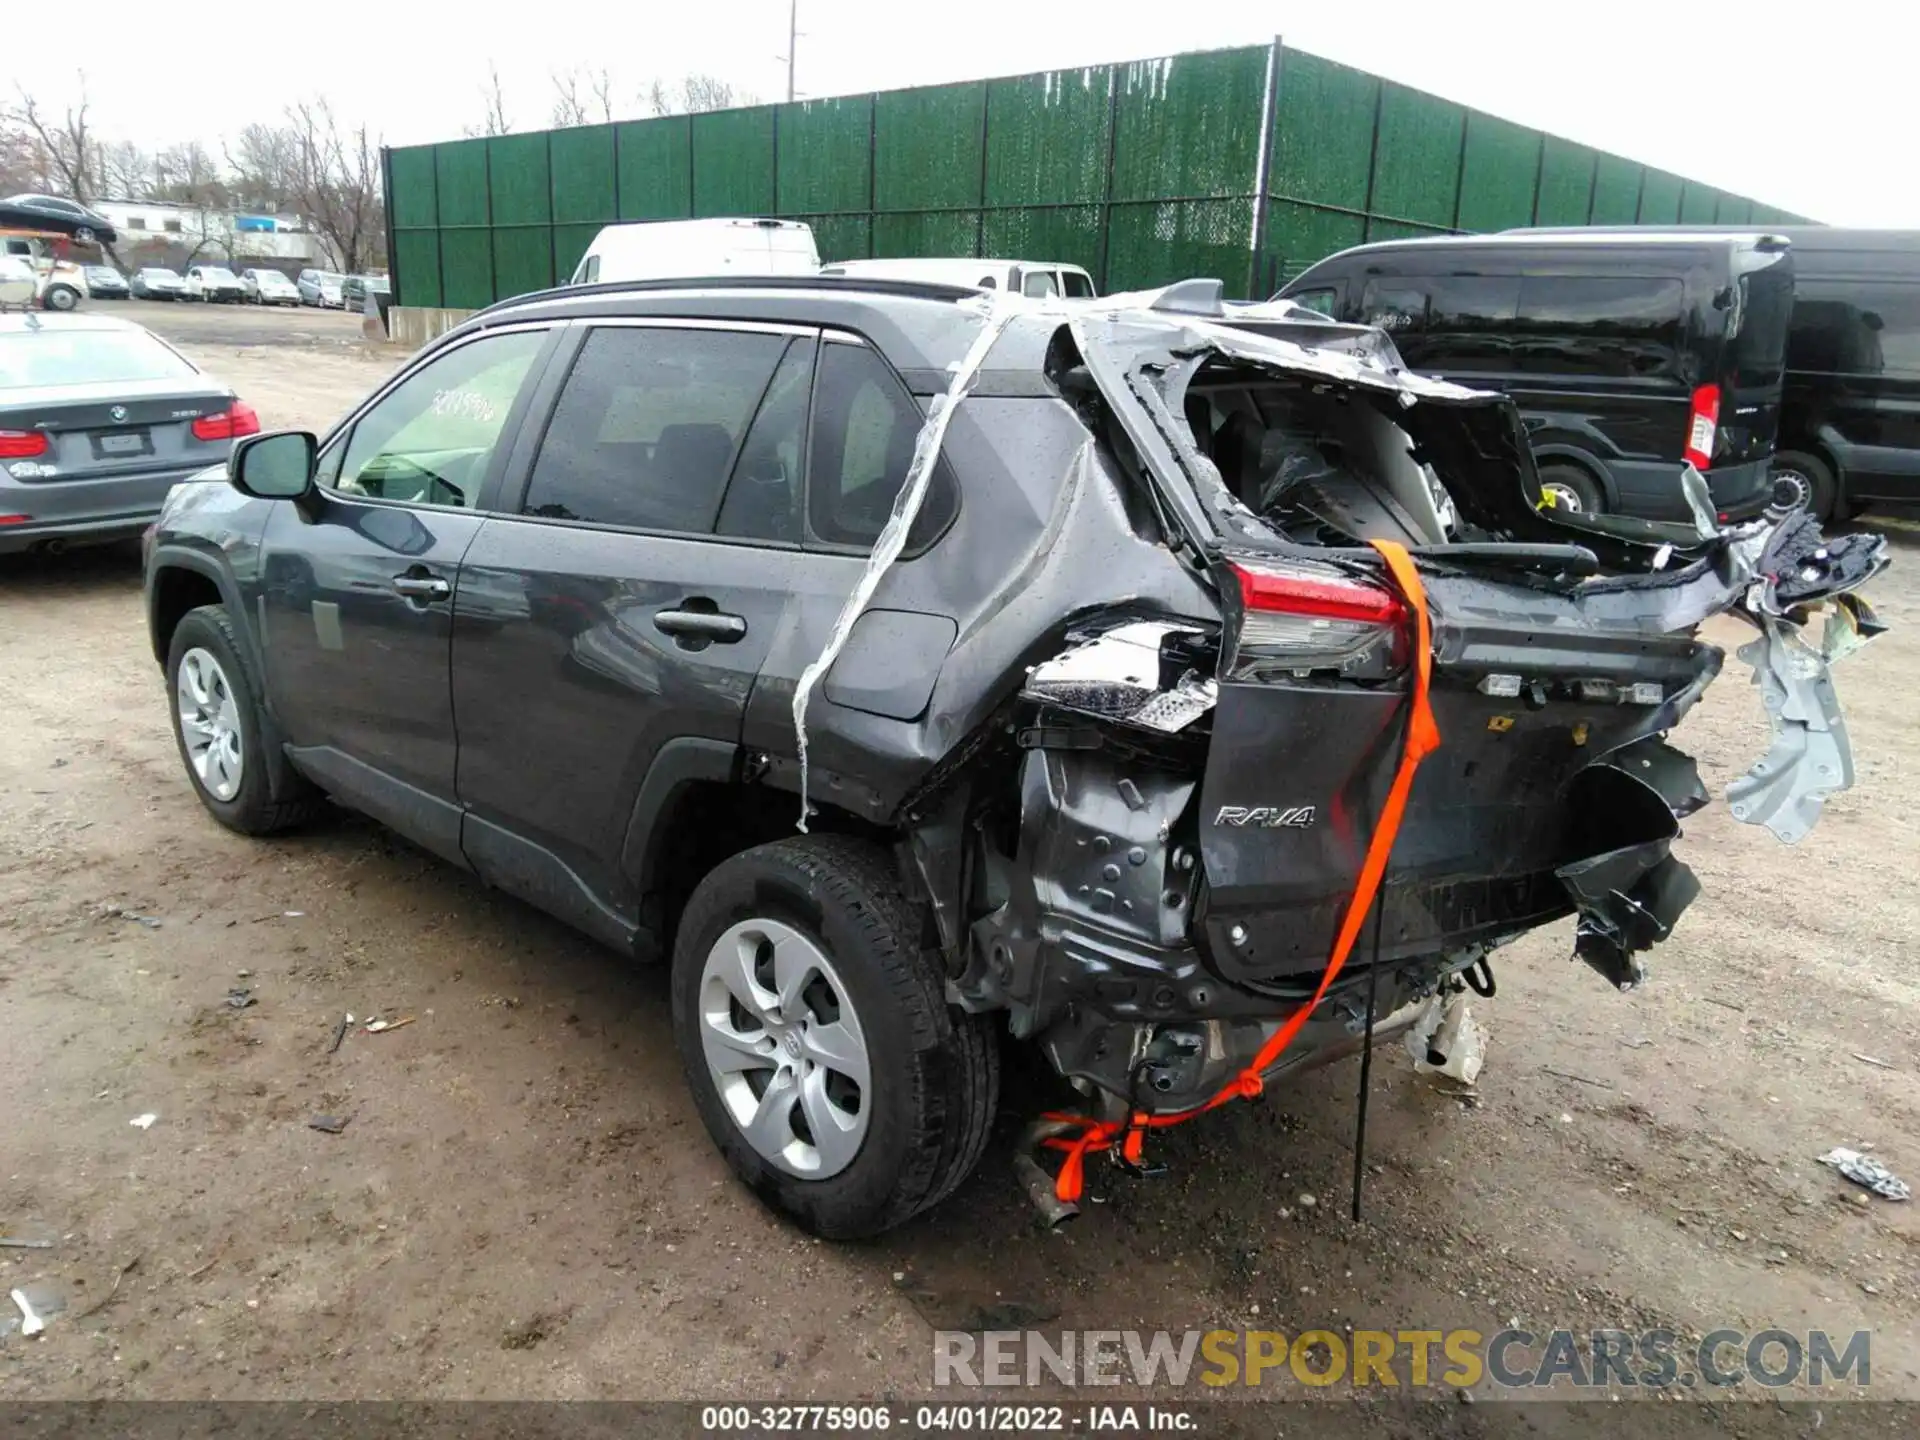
(338, 185)
(187, 174)
(126, 171)
(495, 121)
(67, 150)
(582, 98)
(264, 165)
(694, 95)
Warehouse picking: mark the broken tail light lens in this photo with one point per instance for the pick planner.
(236, 420)
(1702, 426)
(22, 444)
(1298, 617)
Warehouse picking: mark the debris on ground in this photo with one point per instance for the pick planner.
(15, 1242)
(1867, 1171)
(241, 998)
(1868, 1059)
(330, 1124)
(152, 922)
(1447, 1040)
(33, 1311)
(377, 1027)
(143, 1122)
(339, 1033)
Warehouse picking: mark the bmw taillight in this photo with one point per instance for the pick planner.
(1702, 425)
(22, 444)
(1298, 616)
(230, 424)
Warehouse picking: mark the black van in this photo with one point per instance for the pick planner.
(1629, 354)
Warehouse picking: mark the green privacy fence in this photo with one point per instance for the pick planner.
(1245, 164)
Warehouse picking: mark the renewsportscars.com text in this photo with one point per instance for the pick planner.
(1513, 1359)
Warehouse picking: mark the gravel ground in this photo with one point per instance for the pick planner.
(523, 1204)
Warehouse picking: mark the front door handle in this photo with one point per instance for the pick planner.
(416, 585)
(698, 625)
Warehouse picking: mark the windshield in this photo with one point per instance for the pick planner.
(327, 277)
(85, 357)
(214, 272)
(161, 274)
(101, 272)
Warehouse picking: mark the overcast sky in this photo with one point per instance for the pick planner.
(1814, 112)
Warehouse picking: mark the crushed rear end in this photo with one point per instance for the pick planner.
(1198, 792)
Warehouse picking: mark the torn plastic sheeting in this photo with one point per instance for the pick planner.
(893, 536)
(1447, 1040)
(1867, 1171)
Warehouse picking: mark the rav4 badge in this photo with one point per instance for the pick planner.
(1266, 817)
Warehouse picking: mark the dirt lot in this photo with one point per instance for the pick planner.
(523, 1203)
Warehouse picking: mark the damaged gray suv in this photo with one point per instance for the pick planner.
(1188, 691)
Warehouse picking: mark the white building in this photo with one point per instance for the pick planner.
(218, 236)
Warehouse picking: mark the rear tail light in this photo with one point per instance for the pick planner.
(22, 444)
(230, 424)
(1702, 426)
(1299, 617)
(14, 519)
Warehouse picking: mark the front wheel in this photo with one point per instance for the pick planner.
(216, 724)
(815, 1034)
(62, 297)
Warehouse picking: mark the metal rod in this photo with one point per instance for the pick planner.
(1366, 1048)
(793, 44)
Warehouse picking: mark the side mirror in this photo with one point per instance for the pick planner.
(273, 467)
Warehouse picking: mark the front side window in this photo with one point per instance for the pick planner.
(428, 441)
(1079, 287)
(1321, 301)
(1039, 284)
(1396, 306)
(864, 428)
(649, 425)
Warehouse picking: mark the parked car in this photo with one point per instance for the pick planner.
(665, 249)
(1101, 755)
(105, 283)
(214, 284)
(355, 288)
(98, 420)
(156, 282)
(269, 287)
(19, 282)
(320, 287)
(1038, 279)
(50, 212)
(1630, 354)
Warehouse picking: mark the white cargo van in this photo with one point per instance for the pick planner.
(667, 249)
(1038, 278)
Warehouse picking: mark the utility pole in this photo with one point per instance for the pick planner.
(793, 43)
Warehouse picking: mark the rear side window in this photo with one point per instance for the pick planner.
(1469, 324)
(864, 428)
(1855, 327)
(1619, 326)
(1397, 306)
(648, 426)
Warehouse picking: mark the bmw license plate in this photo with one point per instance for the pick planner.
(112, 444)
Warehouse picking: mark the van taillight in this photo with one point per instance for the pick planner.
(1701, 427)
(1299, 617)
(22, 444)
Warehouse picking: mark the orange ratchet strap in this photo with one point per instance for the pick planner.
(1423, 738)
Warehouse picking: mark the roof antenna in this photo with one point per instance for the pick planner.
(1366, 1049)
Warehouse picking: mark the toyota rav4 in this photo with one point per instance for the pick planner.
(905, 666)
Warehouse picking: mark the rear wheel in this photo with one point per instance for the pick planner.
(1572, 489)
(1801, 481)
(815, 1034)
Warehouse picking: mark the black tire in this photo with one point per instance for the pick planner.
(1800, 478)
(62, 297)
(252, 810)
(1574, 484)
(934, 1071)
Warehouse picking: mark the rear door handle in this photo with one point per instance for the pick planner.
(701, 625)
(416, 586)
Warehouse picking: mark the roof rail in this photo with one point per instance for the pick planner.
(841, 284)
